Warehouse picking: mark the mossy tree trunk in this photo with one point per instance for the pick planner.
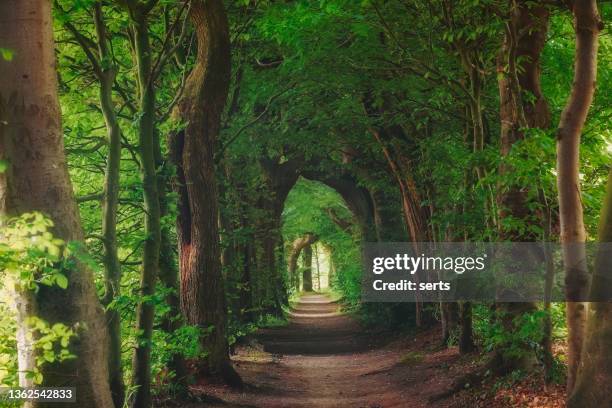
(307, 271)
(522, 106)
(202, 292)
(147, 138)
(296, 249)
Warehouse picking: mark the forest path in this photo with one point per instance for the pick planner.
(323, 358)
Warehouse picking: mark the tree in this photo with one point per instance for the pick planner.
(296, 248)
(587, 24)
(99, 56)
(141, 361)
(31, 143)
(522, 107)
(307, 273)
(594, 375)
(202, 288)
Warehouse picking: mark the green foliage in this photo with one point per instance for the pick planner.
(311, 81)
(51, 344)
(30, 256)
(8, 346)
(7, 55)
(490, 333)
(307, 210)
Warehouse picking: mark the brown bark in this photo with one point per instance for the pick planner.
(472, 62)
(587, 25)
(414, 216)
(466, 338)
(411, 203)
(202, 288)
(31, 141)
(593, 384)
(269, 292)
(522, 105)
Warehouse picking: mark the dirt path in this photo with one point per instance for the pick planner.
(323, 358)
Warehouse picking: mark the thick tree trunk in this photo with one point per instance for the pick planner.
(523, 43)
(269, 287)
(307, 272)
(31, 142)
(449, 312)
(202, 288)
(587, 26)
(593, 384)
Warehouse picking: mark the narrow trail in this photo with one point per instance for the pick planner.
(323, 358)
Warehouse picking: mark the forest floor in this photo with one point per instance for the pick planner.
(324, 358)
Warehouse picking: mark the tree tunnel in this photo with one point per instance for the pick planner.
(267, 257)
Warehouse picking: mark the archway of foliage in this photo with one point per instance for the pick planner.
(415, 119)
(313, 207)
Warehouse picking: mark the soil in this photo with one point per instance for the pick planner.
(324, 358)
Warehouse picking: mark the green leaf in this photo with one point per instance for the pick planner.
(61, 281)
(7, 54)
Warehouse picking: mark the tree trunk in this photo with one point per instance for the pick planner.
(449, 312)
(316, 257)
(411, 202)
(307, 273)
(472, 63)
(524, 40)
(388, 220)
(141, 361)
(269, 288)
(110, 204)
(202, 288)
(593, 383)
(168, 268)
(587, 26)
(296, 248)
(414, 217)
(31, 143)
(332, 269)
(466, 338)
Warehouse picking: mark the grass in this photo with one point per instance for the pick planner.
(412, 358)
